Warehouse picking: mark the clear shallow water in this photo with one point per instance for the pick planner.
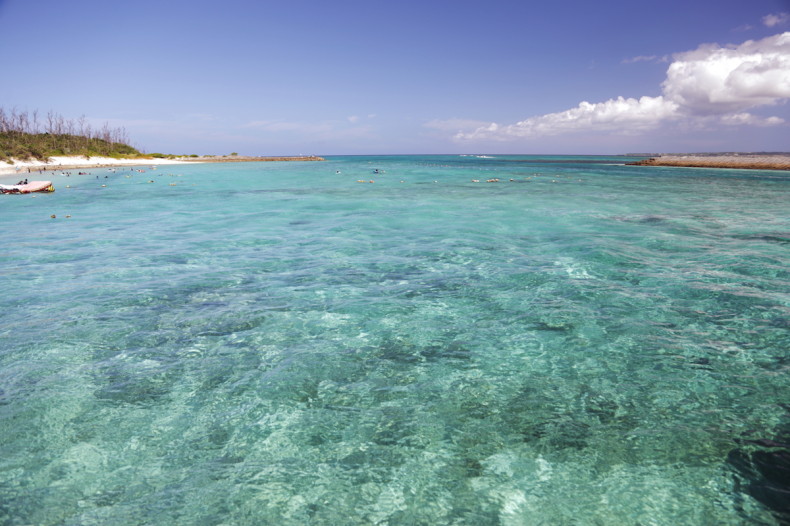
(261, 343)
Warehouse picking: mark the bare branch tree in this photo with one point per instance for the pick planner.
(27, 134)
(50, 122)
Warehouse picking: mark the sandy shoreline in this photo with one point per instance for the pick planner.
(740, 161)
(32, 168)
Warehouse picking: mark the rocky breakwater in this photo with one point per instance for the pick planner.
(741, 161)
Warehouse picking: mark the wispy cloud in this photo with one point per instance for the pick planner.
(454, 125)
(646, 58)
(778, 19)
(322, 130)
(745, 27)
(710, 83)
(739, 119)
(287, 126)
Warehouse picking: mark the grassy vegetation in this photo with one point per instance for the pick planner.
(24, 146)
(24, 136)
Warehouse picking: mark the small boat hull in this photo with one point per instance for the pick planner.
(29, 188)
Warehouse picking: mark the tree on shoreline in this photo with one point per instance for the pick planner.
(23, 136)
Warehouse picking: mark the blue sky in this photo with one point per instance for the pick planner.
(369, 77)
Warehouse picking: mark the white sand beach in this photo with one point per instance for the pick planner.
(33, 166)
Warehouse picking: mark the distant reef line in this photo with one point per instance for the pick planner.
(247, 159)
(743, 161)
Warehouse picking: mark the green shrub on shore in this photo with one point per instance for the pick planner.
(41, 146)
(24, 136)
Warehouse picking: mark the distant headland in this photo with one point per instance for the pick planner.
(747, 161)
(34, 143)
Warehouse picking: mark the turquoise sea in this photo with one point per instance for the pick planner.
(580, 343)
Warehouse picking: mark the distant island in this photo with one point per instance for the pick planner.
(749, 161)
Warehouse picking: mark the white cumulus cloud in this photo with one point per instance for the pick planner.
(622, 114)
(721, 80)
(711, 82)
